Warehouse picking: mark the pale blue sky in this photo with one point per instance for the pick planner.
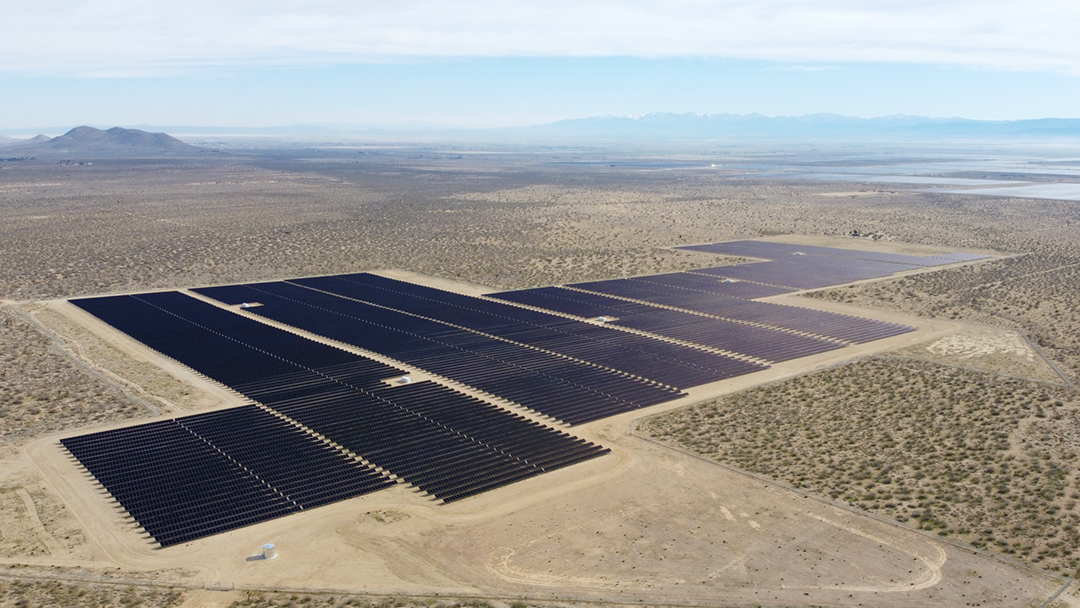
(480, 63)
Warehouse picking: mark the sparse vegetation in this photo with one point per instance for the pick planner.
(982, 458)
(42, 390)
(1035, 293)
(257, 599)
(34, 594)
(988, 460)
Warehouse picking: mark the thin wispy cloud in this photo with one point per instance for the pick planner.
(125, 37)
(804, 68)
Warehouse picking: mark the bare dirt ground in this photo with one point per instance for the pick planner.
(645, 525)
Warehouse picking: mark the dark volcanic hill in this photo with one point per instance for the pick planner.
(117, 141)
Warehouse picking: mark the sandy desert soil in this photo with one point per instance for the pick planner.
(959, 453)
(124, 226)
(43, 390)
(988, 349)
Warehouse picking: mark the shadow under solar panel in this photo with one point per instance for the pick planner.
(195, 476)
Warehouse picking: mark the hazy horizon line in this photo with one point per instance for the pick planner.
(436, 126)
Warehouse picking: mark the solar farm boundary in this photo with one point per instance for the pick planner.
(490, 336)
(68, 348)
(135, 349)
(103, 492)
(591, 390)
(909, 273)
(987, 257)
(178, 413)
(917, 270)
(392, 405)
(639, 332)
(412, 371)
(786, 330)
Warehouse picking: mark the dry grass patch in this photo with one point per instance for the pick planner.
(42, 390)
(986, 459)
(32, 594)
(1035, 293)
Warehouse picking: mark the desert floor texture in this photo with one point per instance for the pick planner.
(938, 467)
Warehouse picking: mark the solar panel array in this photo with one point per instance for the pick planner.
(836, 326)
(642, 356)
(807, 272)
(444, 442)
(764, 343)
(811, 266)
(255, 465)
(567, 390)
(195, 476)
(577, 303)
(744, 290)
(328, 427)
(772, 251)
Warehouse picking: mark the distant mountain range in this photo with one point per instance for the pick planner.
(88, 141)
(806, 127)
(657, 126)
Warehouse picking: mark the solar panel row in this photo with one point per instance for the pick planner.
(744, 290)
(402, 430)
(826, 324)
(760, 342)
(671, 364)
(555, 386)
(223, 346)
(807, 272)
(810, 266)
(774, 251)
(195, 476)
(577, 303)
(148, 468)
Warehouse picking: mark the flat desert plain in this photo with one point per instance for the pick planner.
(665, 519)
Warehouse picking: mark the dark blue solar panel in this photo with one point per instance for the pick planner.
(195, 476)
(806, 272)
(664, 362)
(826, 324)
(571, 302)
(334, 392)
(777, 251)
(743, 290)
(760, 342)
(564, 389)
